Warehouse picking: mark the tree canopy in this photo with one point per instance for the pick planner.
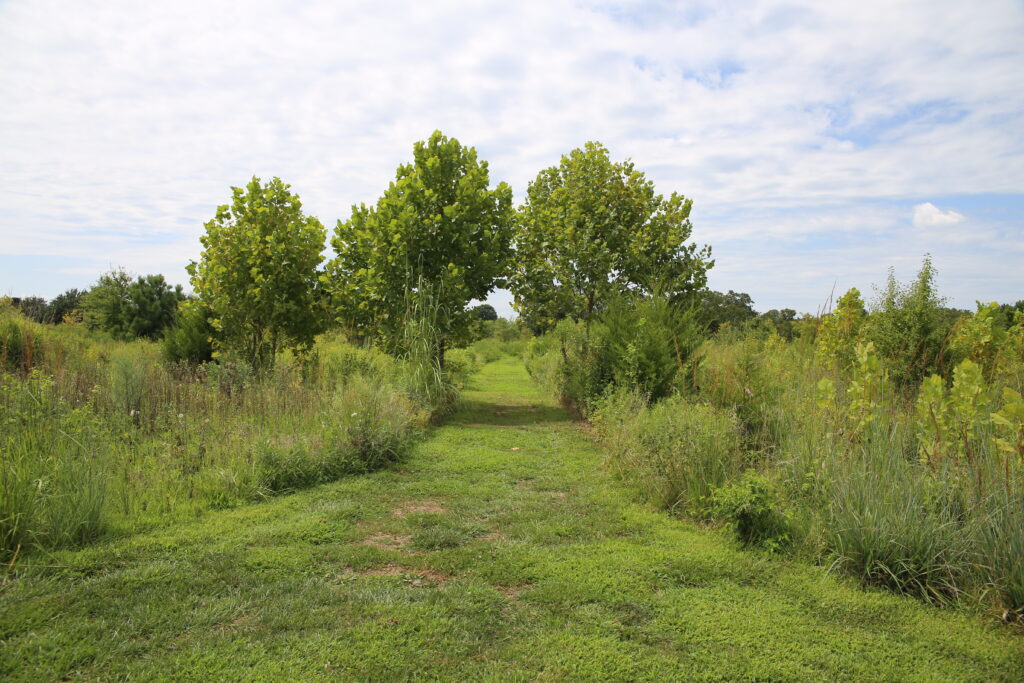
(734, 308)
(258, 272)
(438, 232)
(128, 308)
(590, 229)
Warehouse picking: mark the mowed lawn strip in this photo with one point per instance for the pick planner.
(499, 551)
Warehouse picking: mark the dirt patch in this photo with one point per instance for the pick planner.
(238, 623)
(386, 570)
(387, 541)
(494, 537)
(419, 507)
(425, 578)
(428, 577)
(512, 592)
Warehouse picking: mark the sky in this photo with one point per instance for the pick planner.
(821, 143)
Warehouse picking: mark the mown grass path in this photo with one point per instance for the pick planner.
(499, 551)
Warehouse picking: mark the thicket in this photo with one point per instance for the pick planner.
(884, 441)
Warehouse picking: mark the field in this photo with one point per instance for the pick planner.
(500, 549)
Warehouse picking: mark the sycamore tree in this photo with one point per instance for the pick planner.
(591, 229)
(258, 273)
(437, 239)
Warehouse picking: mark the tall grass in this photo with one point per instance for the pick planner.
(107, 437)
(678, 452)
(53, 468)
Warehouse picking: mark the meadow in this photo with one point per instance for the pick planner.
(304, 470)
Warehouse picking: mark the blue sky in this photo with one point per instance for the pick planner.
(821, 143)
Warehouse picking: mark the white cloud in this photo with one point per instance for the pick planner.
(928, 215)
(124, 123)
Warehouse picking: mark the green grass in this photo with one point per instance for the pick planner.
(500, 550)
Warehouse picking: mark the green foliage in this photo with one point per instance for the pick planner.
(649, 343)
(979, 338)
(1008, 423)
(374, 428)
(20, 341)
(839, 332)
(644, 344)
(753, 508)
(676, 451)
(779, 322)
(258, 273)
(52, 468)
(438, 231)
(35, 309)
(538, 566)
(1000, 551)
(127, 309)
(590, 229)
(890, 524)
(484, 312)
(375, 425)
(65, 305)
(868, 392)
(733, 309)
(908, 326)
(105, 305)
(190, 339)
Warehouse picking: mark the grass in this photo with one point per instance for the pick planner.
(499, 550)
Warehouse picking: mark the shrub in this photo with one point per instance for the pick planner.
(908, 327)
(839, 332)
(190, 339)
(753, 508)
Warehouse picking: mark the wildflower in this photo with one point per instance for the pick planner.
(181, 415)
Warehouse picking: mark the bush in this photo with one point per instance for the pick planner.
(678, 452)
(753, 508)
(909, 326)
(190, 339)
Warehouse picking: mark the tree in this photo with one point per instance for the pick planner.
(590, 229)
(34, 308)
(105, 304)
(258, 273)
(66, 304)
(734, 308)
(438, 234)
(781, 321)
(129, 309)
(484, 312)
